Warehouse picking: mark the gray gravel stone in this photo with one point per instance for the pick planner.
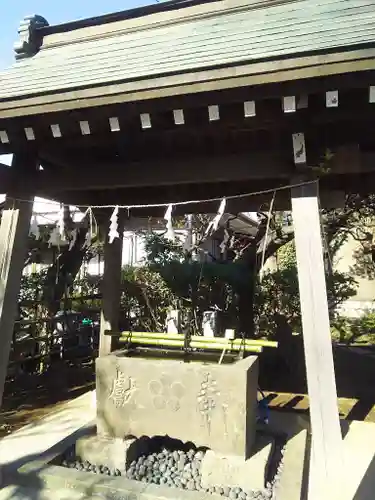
(181, 463)
(176, 469)
(190, 485)
(163, 467)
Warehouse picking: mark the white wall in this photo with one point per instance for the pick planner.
(133, 253)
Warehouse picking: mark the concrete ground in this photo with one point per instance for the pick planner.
(355, 480)
(355, 376)
(300, 403)
(28, 398)
(358, 480)
(35, 441)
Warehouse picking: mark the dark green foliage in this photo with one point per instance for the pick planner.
(351, 330)
(145, 299)
(32, 287)
(160, 251)
(278, 293)
(198, 286)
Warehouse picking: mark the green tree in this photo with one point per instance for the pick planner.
(278, 293)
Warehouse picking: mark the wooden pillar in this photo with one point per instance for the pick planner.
(14, 230)
(111, 290)
(324, 414)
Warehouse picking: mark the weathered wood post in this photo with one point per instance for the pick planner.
(14, 230)
(326, 457)
(111, 290)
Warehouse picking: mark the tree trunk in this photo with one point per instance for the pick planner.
(63, 272)
(246, 296)
(246, 311)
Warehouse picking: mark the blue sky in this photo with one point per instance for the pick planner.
(55, 13)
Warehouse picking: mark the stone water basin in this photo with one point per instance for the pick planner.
(209, 404)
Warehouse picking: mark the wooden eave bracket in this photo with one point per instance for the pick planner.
(30, 39)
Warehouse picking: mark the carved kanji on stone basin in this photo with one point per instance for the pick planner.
(210, 404)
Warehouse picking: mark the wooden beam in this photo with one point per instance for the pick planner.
(330, 198)
(14, 228)
(110, 313)
(326, 464)
(121, 125)
(111, 175)
(6, 178)
(256, 166)
(4, 168)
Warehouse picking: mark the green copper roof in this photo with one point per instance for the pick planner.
(121, 52)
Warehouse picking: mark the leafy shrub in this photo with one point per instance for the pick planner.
(145, 299)
(351, 330)
(279, 293)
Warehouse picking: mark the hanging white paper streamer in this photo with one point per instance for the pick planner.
(61, 224)
(224, 243)
(188, 242)
(90, 231)
(91, 228)
(88, 237)
(168, 218)
(34, 228)
(232, 239)
(113, 228)
(87, 242)
(74, 235)
(214, 224)
(55, 238)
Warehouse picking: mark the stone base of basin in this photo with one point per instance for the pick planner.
(212, 405)
(232, 471)
(86, 486)
(42, 479)
(116, 453)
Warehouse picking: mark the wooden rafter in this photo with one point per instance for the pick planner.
(152, 118)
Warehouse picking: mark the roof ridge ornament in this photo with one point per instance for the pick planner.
(30, 40)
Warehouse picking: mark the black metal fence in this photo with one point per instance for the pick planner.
(38, 342)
